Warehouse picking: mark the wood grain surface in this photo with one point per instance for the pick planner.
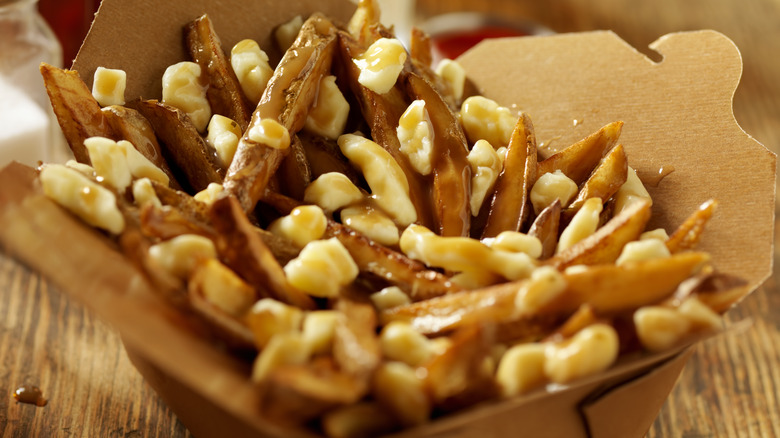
(730, 388)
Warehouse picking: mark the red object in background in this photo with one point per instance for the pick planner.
(70, 21)
(452, 45)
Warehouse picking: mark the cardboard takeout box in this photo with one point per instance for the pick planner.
(678, 117)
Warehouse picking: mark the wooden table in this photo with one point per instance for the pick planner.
(731, 386)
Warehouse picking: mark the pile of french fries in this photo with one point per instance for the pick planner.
(389, 247)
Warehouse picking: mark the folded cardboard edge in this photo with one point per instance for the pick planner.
(93, 272)
(678, 116)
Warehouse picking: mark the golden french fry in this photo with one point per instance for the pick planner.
(243, 250)
(611, 289)
(294, 173)
(286, 99)
(355, 344)
(605, 180)
(420, 47)
(578, 160)
(443, 314)
(605, 245)
(183, 144)
(224, 91)
(414, 278)
(359, 420)
(451, 169)
(458, 377)
(716, 290)
(689, 232)
(298, 393)
(545, 228)
(78, 113)
(509, 206)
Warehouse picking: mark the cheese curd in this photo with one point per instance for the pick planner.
(515, 241)
(180, 255)
(223, 135)
(389, 186)
(284, 349)
(250, 63)
(381, 64)
(304, 224)
(397, 386)
(590, 351)
(88, 200)
(454, 75)
(322, 268)
(286, 33)
(143, 193)
(269, 317)
(460, 254)
(399, 341)
(328, 116)
(583, 224)
(631, 191)
(545, 284)
(182, 88)
(118, 163)
(222, 287)
(211, 193)
(660, 328)
(551, 186)
(389, 297)
(486, 165)
(270, 133)
(484, 119)
(372, 223)
(108, 86)
(414, 133)
(521, 369)
(319, 327)
(640, 250)
(332, 191)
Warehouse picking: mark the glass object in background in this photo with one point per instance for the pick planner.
(28, 130)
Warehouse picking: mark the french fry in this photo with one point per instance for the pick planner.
(458, 377)
(611, 289)
(689, 232)
(183, 145)
(509, 206)
(411, 276)
(298, 393)
(578, 160)
(242, 249)
(355, 344)
(359, 420)
(295, 172)
(78, 113)
(224, 91)
(286, 99)
(545, 228)
(451, 169)
(605, 245)
(605, 180)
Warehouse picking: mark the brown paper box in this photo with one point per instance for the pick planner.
(677, 114)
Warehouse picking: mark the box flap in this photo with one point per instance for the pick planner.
(678, 116)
